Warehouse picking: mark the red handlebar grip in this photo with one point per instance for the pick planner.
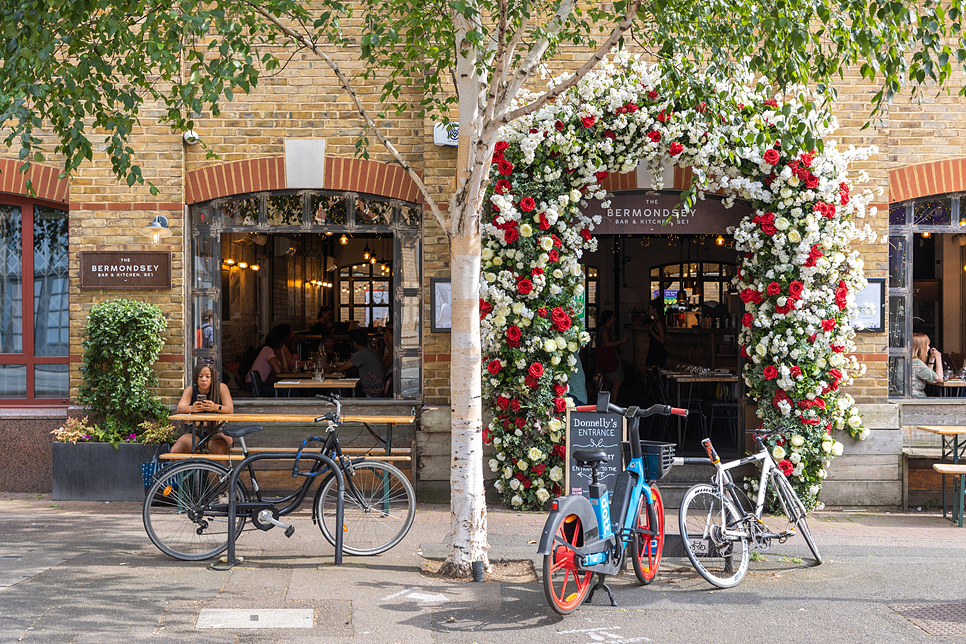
(677, 411)
(586, 407)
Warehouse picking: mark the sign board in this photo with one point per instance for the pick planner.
(130, 269)
(446, 135)
(643, 213)
(590, 430)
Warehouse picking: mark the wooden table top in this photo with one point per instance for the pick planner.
(288, 418)
(952, 383)
(690, 377)
(942, 430)
(308, 383)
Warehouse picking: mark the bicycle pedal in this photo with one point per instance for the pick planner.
(290, 531)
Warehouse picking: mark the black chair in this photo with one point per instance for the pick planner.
(727, 410)
(258, 387)
(387, 388)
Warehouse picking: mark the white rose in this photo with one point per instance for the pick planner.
(518, 307)
(572, 347)
(781, 223)
(795, 458)
(855, 421)
(561, 342)
(794, 236)
(497, 441)
(778, 453)
(518, 433)
(822, 474)
(498, 261)
(549, 346)
(535, 454)
(556, 473)
(827, 446)
(526, 230)
(555, 360)
(498, 485)
(487, 254)
(813, 490)
(494, 465)
(797, 440)
(547, 244)
(543, 495)
(523, 465)
(507, 472)
(555, 424)
(837, 448)
(516, 500)
(515, 484)
(490, 277)
(500, 456)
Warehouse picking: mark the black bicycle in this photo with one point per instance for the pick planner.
(186, 509)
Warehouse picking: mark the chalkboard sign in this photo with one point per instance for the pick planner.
(590, 430)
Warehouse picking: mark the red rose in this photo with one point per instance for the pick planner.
(588, 121)
(844, 198)
(795, 289)
(786, 467)
(780, 396)
(769, 229)
(630, 108)
(744, 352)
(556, 241)
(527, 483)
(505, 167)
(536, 270)
(486, 436)
(838, 348)
(513, 336)
(774, 288)
(664, 116)
(494, 366)
(771, 102)
(510, 235)
(785, 308)
(795, 371)
(675, 149)
(841, 295)
(497, 157)
(520, 422)
(502, 187)
(544, 224)
(535, 370)
(527, 204)
(771, 156)
(524, 286)
(559, 405)
(558, 389)
(561, 321)
(806, 159)
(811, 182)
(746, 319)
(770, 372)
(559, 126)
(610, 134)
(828, 325)
(600, 176)
(655, 137)
(515, 405)
(501, 146)
(503, 402)
(485, 307)
(652, 94)
(538, 469)
(585, 234)
(542, 311)
(553, 255)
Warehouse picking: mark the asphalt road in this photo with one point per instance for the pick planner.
(90, 575)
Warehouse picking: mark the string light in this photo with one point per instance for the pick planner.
(343, 240)
(243, 265)
(719, 240)
(926, 234)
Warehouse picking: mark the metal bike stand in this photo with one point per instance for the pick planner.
(233, 481)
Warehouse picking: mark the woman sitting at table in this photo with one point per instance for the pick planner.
(372, 376)
(927, 365)
(205, 394)
(272, 358)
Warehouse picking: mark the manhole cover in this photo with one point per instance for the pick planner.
(936, 619)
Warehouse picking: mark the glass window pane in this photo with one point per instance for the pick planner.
(13, 381)
(712, 291)
(711, 269)
(935, 212)
(410, 265)
(240, 212)
(411, 215)
(360, 270)
(962, 211)
(897, 370)
(51, 323)
(361, 315)
(328, 209)
(51, 381)
(207, 265)
(284, 210)
(897, 322)
(11, 281)
(380, 315)
(897, 215)
(380, 292)
(204, 324)
(360, 293)
(370, 212)
(409, 322)
(201, 216)
(409, 376)
(344, 272)
(344, 294)
(897, 262)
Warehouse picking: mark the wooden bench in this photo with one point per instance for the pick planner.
(401, 455)
(959, 489)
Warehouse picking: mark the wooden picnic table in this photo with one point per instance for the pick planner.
(952, 450)
(297, 419)
(309, 383)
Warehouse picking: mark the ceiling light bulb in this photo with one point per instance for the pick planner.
(343, 240)
(719, 241)
(372, 260)
(926, 234)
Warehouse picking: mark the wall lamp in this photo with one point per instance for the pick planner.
(157, 229)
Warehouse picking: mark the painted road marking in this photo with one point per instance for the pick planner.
(256, 618)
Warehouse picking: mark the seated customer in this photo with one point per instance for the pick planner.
(927, 365)
(217, 399)
(267, 363)
(323, 322)
(372, 376)
(327, 347)
(387, 347)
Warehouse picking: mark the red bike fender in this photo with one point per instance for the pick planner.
(566, 506)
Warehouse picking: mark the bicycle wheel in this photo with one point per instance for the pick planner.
(794, 504)
(647, 549)
(564, 584)
(378, 508)
(186, 510)
(722, 561)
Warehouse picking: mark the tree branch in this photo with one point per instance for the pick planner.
(440, 217)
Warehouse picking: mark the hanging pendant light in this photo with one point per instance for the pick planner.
(366, 254)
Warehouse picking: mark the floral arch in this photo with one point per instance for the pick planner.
(797, 273)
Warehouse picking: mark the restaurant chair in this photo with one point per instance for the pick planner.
(258, 387)
(387, 388)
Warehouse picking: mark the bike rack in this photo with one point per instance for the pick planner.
(233, 480)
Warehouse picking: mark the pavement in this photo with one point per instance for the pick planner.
(86, 573)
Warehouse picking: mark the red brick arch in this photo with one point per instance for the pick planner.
(927, 179)
(258, 175)
(45, 179)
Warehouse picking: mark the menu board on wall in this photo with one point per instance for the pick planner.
(590, 430)
(129, 269)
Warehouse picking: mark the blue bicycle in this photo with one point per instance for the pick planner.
(583, 536)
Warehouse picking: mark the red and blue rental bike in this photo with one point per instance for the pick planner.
(584, 535)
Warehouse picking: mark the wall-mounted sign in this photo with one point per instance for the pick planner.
(638, 213)
(132, 269)
(590, 430)
(446, 135)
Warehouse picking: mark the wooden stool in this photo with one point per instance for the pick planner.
(959, 488)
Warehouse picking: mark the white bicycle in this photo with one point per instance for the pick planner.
(719, 531)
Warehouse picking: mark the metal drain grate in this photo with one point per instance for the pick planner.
(936, 619)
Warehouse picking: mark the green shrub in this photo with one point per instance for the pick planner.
(122, 341)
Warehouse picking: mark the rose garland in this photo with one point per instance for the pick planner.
(797, 276)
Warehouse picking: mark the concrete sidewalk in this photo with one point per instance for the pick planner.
(86, 573)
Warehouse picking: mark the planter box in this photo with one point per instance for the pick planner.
(98, 472)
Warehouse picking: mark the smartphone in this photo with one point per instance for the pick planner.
(202, 398)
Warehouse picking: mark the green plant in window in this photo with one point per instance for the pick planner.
(285, 210)
(122, 341)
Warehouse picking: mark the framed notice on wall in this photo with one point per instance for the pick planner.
(870, 302)
(129, 269)
(590, 430)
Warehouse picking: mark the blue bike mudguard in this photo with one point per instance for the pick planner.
(567, 505)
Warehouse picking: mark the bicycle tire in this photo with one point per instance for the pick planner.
(564, 584)
(647, 550)
(378, 508)
(783, 486)
(177, 512)
(697, 519)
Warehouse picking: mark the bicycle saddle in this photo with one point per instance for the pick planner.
(589, 456)
(237, 431)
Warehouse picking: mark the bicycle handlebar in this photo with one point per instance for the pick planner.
(604, 405)
(335, 417)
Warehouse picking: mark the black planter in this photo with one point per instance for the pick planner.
(98, 472)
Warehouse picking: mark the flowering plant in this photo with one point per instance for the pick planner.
(797, 278)
(82, 430)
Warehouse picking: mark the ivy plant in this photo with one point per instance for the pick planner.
(122, 341)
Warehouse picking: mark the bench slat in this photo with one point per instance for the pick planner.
(236, 458)
(290, 418)
(949, 468)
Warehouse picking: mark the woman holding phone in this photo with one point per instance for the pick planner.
(206, 394)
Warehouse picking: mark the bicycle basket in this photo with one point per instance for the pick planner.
(658, 458)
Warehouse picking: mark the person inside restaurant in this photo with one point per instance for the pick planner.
(927, 365)
(323, 322)
(608, 360)
(656, 351)
(206, 394)
(274, 357)
(372, 375)
(387, 347)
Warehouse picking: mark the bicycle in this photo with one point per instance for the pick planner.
(186, 511)
(718, 528)
(583, 536)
